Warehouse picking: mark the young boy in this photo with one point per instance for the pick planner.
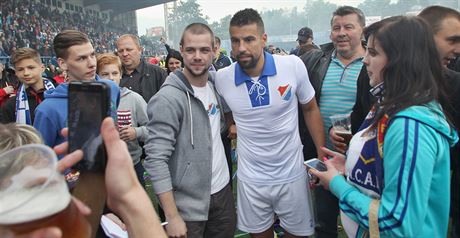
(132, 111)
(29, 69)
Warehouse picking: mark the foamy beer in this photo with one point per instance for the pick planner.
(33, 194)
(342, 126)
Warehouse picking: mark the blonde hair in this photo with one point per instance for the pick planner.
(14, 135)
(25, 53)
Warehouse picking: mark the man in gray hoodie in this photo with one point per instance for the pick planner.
(185, 155)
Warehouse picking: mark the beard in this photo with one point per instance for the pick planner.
(247, 64)
(199, 73)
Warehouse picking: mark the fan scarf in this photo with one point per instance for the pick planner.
(22, 103)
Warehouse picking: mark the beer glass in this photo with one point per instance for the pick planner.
(33, 194)
(342, 126)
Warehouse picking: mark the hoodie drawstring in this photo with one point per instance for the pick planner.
(191, 118)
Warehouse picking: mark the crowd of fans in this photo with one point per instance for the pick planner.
(33, 24)
(392, 91)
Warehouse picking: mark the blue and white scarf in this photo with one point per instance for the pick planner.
(370, 164)
(22, 103)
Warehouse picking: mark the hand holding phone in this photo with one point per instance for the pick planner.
(316, 164)
(88, 105)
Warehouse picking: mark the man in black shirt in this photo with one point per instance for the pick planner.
(138, 75)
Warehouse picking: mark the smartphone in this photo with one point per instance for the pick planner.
(88, 105)
(316, 164)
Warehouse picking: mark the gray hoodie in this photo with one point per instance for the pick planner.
(134, 102)
(179, 146)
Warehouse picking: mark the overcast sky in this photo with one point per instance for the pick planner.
(216, 9)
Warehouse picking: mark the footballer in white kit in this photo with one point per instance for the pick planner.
(262, 92)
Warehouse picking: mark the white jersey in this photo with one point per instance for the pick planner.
(265, 110)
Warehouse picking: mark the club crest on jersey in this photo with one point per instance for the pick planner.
(364, 172)
(285, 92)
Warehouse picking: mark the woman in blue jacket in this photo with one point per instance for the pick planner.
(397, 168)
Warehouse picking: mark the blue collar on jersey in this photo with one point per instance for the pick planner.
(268, 70)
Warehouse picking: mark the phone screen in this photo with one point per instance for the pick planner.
(316, 164)
(88, 105)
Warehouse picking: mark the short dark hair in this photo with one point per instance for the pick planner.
(197, 28)
(347, 10)
(435, 15)
(66, 39)
(413, 73)
(248, 16)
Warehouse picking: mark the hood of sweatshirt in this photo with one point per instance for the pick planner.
(178, 80)
(61, 91)
(435, 119)
(124, 91)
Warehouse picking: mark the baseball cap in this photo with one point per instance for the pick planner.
(304, 34)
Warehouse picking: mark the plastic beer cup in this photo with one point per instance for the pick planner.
(33, 194)
(342, 126)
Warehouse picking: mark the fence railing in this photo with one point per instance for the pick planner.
(47, 59)
(6, 59)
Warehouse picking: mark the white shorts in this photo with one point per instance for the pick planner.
(257, 205)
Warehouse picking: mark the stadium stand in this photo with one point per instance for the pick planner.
(34, 24)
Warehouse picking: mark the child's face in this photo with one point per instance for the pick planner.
(29, 72)
(110, 71)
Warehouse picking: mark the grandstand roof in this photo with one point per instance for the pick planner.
(121, 6)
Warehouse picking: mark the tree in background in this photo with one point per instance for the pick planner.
(186, 12)
(316, 14)
(385, 8)
(220, 28)
(319, 14)
(381, 8)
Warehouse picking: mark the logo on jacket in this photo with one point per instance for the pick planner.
(364, 172)
(285, 92)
